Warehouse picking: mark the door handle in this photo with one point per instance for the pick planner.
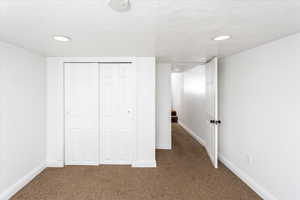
(216, 122)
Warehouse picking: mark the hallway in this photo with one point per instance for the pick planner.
(184, 173)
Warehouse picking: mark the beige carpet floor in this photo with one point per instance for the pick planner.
(184, 173)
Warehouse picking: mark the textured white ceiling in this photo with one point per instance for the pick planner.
(176, 30)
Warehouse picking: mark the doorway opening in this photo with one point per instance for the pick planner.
(195, 104)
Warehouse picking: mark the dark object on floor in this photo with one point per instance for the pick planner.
(174, 116)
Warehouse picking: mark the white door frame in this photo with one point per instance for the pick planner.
(99, 60)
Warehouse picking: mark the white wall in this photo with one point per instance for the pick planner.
(192, 106)
(146, 113)
(177, 90)
(259, 109)
(55, 112)
(163, 106)
(22, 119)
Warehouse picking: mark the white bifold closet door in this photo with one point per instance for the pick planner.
(100, 107)
(118, 105)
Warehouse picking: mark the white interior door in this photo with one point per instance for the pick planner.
(211, 77)
(118, 110)
(81, 113)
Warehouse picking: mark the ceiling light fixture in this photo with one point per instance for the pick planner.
(222, 37)
(62, 38)
(119, 5)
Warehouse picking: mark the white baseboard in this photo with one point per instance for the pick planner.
(55, 163)
(114, 163)
(142, 163)
(164, 146)
(8, 193)
(192, 133)
(242, 175)
(82, 163)
(262, 192)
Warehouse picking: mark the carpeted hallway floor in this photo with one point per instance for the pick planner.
(184, 173)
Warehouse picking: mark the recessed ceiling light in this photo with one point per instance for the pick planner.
(62, 38)
(119, 5)
(222, 37)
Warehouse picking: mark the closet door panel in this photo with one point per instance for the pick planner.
(127, 110)
(118, 106)
(107, 112)
(82, 110)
